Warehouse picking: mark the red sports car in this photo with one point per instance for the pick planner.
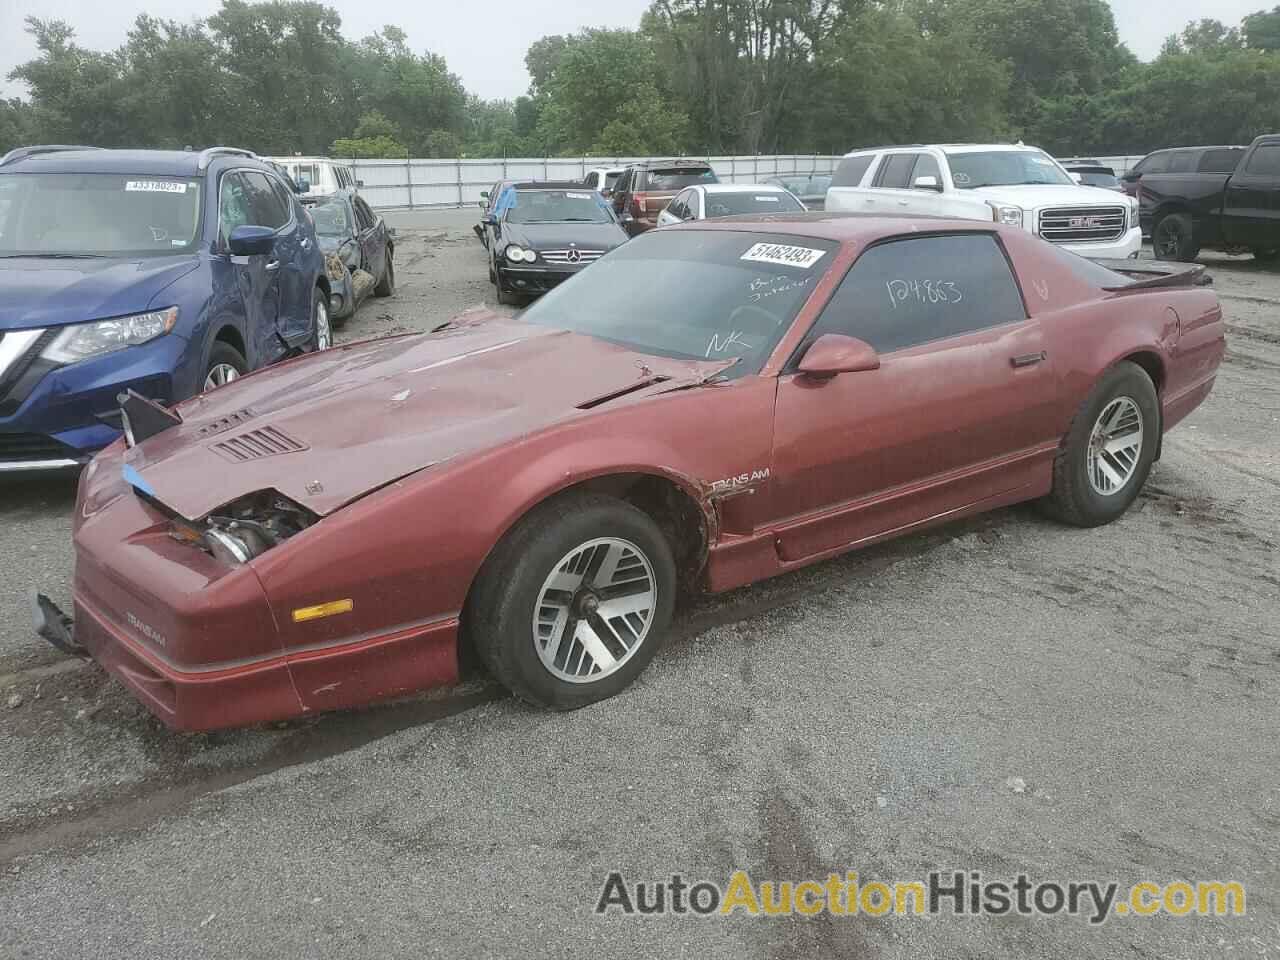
(708, 405)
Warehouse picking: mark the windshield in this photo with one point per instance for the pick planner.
(692, 294)
(97, 215)
(1005, 168)
(769, 201)
(333, 218)
(1100, 180)
(678, 179)
(554, 206)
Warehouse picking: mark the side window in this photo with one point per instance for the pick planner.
(265, 207)
(1265, 161)
(679, 207)
(1156, 163)
(283, 194)
(364, 214)
(1183, 161)
(234, 208)
(906, 292)
(851, 170)
(926, 166)
(1220, 161)
(895, 172)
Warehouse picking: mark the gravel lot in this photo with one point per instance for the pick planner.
(875, 713)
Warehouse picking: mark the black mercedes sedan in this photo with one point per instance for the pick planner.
(544, 233)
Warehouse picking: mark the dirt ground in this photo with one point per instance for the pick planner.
(1003, 695)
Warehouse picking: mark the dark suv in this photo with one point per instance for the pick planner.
(644, 189)
(1181, 160)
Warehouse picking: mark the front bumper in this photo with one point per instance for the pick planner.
(197, 641)
(534, 279)
(58, 418)
(1123, 248)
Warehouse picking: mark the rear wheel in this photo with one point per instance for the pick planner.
(1173, 238)
(1109, 451)
(574, 602)
(387, 285)
(225, 365)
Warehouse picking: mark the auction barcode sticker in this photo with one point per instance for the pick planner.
(784, 255)
(155, 186)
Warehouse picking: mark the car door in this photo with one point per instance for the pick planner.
(289, 261)
(889, 194)
(961, 410)
(1251, 210)
(372, 253)
(252, 294)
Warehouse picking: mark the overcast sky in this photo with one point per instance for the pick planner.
(485, 45)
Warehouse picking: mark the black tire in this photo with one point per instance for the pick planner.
(225, 355)
(1266, 254)
(500, 609)
(387, 285)
(1173, 238)
(319, 306)
(1073, 499)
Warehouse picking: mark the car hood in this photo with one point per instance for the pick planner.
(559, 236)
(38, 292)
(1032, 197)
(328, 428)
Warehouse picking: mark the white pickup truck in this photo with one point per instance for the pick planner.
(1006, 183)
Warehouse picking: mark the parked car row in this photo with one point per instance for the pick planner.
(539, 233)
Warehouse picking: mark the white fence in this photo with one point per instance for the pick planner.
(413, 184)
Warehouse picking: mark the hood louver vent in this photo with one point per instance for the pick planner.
(257, 444)
(223, 424)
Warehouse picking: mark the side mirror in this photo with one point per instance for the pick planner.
(484, 194)
(491, 219)
(834, 353)
(1078, 178)
(247, 241)
(628, 218)
(391, 232)
(927, 183)
(304, 185)
(359, 184)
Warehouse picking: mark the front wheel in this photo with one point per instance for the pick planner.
(504, 298)
(225, 365)
(574, 602)
(1173, 238)
(321, 329)
(1109, 451)
(387, 285)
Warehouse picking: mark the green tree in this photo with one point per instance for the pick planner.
(1262, 30)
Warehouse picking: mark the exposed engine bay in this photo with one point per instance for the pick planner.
(252, 525)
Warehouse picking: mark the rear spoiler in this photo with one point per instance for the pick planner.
(1153, 274)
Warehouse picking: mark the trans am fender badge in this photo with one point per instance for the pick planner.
(740, 483)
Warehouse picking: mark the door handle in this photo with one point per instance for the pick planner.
(273, 265)
(1027, 359)
(903, 203)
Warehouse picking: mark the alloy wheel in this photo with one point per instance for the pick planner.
(595, 609)
(220, 375)
(324, 335)
(1115, 446)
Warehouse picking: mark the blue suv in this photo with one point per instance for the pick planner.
(166, 272)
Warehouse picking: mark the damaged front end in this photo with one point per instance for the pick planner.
(250, 526)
